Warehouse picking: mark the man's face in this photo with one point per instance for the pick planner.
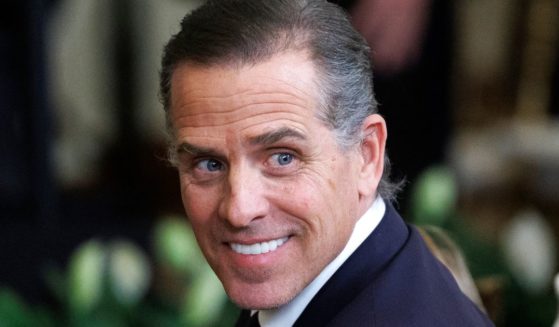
(271, 197)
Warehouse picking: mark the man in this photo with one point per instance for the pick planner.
(283, 173)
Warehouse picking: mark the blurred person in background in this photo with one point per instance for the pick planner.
(411, 53)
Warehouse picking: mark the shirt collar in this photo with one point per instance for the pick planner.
(287, 314)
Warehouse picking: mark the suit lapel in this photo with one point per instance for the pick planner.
(358, 271)
(244, 319)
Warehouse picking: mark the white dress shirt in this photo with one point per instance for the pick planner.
(287, 314)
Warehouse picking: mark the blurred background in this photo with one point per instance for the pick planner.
(92, 230)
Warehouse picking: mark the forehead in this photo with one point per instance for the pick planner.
(286, 83)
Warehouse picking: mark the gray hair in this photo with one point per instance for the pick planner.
(246, 32)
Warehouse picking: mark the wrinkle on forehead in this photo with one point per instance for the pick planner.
(207, 101)
(248, 134)
(274, 75)
(211, 100)
(215, 119)
(229, 103)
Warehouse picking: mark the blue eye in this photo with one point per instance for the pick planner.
(283, 158)
(209, 165)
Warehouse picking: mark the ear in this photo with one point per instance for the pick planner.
(372, 153)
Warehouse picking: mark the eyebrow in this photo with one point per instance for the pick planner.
(275, 136)
(268, 138)
(194, 150)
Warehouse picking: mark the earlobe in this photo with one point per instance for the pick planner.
(372, 149)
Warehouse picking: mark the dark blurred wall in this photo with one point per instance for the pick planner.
(27, 196)
(41, 221)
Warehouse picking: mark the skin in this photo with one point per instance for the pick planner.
(256, 164)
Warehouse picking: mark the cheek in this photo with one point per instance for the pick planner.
(186, 196)
(199, 212)
(198, 204)
(301, 192)
(309, 201)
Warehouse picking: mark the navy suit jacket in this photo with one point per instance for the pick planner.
(392, 279)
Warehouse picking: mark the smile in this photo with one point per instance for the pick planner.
(258, 248)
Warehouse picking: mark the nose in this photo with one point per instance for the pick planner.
(244, 200)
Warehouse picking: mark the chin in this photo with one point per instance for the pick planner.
(254, 298)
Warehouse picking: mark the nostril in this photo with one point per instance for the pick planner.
(241, 209)
(244, 198)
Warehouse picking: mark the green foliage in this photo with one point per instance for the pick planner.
(177, 252)
(114, 284)
(176, 247)
(15, 313)
(434, 200)
(85, 275)
(129, 273)
(434, 196)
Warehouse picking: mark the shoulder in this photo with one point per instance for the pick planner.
(413, 289)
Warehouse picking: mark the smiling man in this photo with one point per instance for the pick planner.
(284, 178)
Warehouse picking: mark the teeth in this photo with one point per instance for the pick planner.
(258, 248)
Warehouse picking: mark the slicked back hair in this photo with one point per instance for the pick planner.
(248, 32)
